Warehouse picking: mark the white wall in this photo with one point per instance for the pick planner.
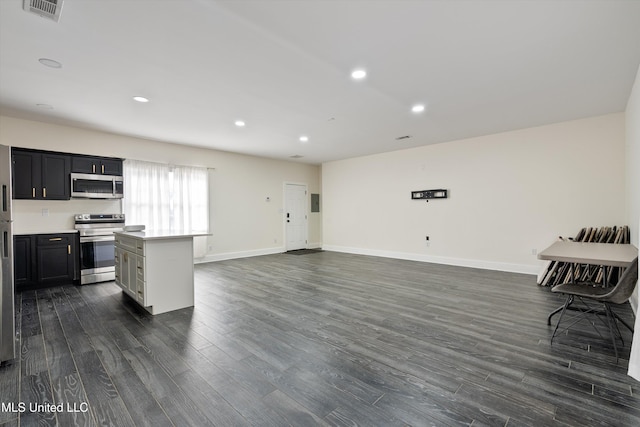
(511, 194)
(243, 223)
(633, 160)
(633, 205)
(632, 168)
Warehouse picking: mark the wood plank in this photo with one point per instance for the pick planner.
(69, 391)
(293, 413)
(10, 389)
(36, 390)
(33, 359)
(140, 402)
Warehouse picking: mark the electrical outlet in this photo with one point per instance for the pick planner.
(45, 212)
(534, 251)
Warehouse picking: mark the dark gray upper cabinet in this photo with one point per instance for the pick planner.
(45, 175)
(55, 176)
(40, 175)
(96, 165)
(26, 173)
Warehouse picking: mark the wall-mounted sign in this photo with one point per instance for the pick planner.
(429, 194)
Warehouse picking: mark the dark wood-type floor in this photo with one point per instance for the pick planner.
(318, 339)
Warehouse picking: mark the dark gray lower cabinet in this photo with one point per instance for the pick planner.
(23, 265)
(43, 260)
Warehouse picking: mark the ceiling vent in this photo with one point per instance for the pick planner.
(46, 8)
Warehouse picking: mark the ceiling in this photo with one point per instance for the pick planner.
(284, 68)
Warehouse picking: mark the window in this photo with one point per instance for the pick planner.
(165, 197)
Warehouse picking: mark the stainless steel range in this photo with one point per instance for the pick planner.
(97, 245)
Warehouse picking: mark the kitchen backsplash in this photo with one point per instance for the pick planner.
(52, 216)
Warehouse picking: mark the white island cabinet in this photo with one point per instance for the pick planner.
(156, 269)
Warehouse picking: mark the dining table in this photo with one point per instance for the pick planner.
(605, 255)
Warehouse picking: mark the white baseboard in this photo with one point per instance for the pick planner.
(247, 254)
(236, 255)
(461, 262)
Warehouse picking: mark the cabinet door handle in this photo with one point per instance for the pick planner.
(33, 192)
(93, 168)
(44, 192)
(55, 239)
(69, 249)
(103, 169)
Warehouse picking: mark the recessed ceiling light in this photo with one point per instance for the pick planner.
(140, 99)
(240, 123)
(304, 138)
(418, 108)
(359, 74)
(50, 63)
(296, 156)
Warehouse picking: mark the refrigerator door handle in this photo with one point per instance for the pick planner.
(5, 244)
(5, 200)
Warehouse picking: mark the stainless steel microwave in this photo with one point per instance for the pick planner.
(92, 186)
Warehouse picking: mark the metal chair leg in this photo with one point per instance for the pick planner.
(558, 310)
(610, 320)
(567, 303)
(622, 321)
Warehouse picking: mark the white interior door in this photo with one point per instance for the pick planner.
(295, 216)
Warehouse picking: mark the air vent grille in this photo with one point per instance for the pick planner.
(46, 8)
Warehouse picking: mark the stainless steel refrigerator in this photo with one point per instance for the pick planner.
(7, 301)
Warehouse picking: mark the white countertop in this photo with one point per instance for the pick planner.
(161, 234)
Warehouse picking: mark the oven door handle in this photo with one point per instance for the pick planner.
(97, 239)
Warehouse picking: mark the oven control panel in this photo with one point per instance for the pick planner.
(98, 218)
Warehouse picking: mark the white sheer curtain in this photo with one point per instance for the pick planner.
(164, 197)
(190, 202)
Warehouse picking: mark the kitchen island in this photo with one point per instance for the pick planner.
(155, 268)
